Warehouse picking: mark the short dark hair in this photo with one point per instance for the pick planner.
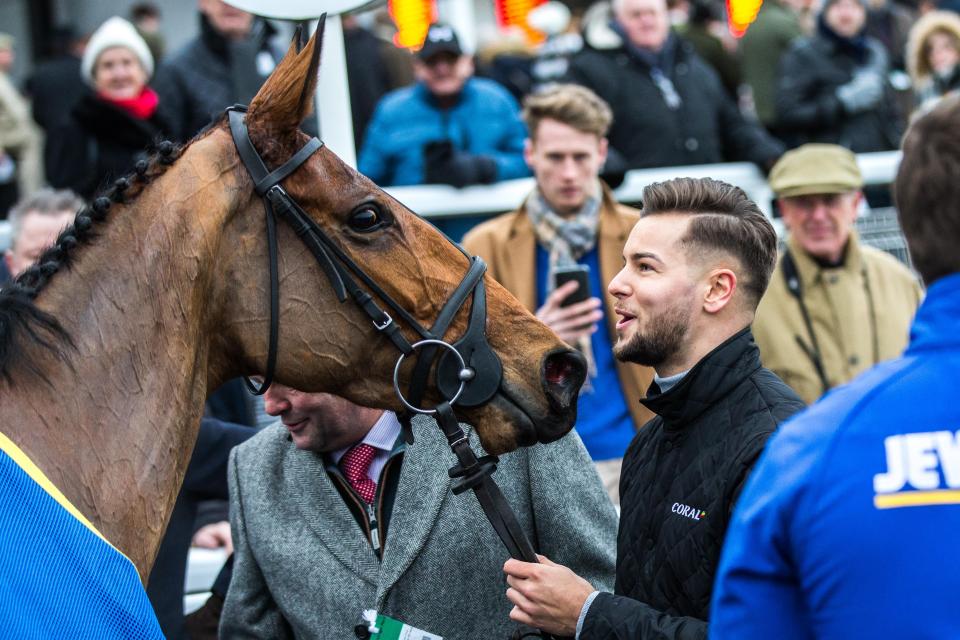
(725, 220)
(142, 10)
(927, 190)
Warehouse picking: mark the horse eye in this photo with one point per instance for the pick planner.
(365, 220)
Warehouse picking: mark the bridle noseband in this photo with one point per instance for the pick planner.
(468, 372)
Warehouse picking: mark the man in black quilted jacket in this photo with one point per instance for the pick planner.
(696, 265)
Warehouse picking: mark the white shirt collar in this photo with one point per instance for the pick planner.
(382, 436)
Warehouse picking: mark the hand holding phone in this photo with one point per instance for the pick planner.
(569, 310)
(580, 274)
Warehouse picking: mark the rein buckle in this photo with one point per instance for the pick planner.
(386, 322)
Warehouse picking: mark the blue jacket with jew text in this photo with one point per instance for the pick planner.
(847, 526)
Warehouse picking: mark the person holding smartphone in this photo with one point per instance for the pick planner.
(557, 252)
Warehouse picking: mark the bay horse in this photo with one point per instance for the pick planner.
(159, 293)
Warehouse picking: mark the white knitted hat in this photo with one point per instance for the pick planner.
(115, 32)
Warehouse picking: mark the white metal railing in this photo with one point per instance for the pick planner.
(438, 202)
(203, 566)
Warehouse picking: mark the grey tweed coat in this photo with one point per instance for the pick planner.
(303, 568)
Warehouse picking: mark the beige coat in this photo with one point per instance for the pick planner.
(860, 312)
(19, 137)
(508, 245)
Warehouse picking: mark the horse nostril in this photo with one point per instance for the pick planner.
(558, 369)
(563, 373)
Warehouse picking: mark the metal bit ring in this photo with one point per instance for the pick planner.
(465, 375)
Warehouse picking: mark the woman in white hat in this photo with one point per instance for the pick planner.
(110, 128)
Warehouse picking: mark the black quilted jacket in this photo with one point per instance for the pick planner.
(706, 128)
(680, 479)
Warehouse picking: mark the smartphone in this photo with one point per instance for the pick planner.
(580, 273)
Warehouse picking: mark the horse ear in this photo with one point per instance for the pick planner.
(286, 98)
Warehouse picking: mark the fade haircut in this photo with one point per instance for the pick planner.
(569, 104)
(46, 202)
(927, 190)
(724, 220)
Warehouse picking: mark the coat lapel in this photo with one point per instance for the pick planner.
(322, 508)
(423, 486)
(520, 258)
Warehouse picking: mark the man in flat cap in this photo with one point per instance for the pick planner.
(834, 307)
(449, 128)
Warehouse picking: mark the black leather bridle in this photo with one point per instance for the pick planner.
(468, 372)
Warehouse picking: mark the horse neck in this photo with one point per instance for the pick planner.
(114, 428)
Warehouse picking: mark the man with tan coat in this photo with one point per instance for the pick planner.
(571, 219)
(834, 307)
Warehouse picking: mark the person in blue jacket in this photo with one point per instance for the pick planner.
(847, 527)
(448, 128)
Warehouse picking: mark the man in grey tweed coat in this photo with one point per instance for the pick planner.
(306, 566)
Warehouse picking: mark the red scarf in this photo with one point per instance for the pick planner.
(141, 107)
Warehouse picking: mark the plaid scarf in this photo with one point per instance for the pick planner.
(566, 240)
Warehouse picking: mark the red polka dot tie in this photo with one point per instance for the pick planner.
(355, 464)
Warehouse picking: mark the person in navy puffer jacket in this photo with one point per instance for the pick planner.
(847, 526)
(449, 128)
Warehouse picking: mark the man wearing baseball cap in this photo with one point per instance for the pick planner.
(834, 307)
(448, 128)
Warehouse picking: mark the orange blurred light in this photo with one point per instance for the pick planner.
(513, 13)
(741, 14)
(413, 18)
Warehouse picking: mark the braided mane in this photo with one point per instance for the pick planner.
(20, 318)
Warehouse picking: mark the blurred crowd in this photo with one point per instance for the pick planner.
(628, 84)
(682, 88)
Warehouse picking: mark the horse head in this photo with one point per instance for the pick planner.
(325, 344)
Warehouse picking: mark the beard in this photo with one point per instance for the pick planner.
(661, 343)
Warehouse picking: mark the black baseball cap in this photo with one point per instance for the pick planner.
(441, 38)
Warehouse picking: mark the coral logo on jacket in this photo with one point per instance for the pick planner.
(923, 469)
(688, 512)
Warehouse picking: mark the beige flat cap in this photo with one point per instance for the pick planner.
(815, 168)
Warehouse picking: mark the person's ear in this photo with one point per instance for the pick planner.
(528, 152)
(8, 261)
(602, 149)
(857, 203)
(786, 213)
(468, 67)
(419, 70)
(721, 285)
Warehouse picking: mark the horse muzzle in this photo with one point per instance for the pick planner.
(562, 373)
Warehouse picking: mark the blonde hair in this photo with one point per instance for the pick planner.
(569, 104)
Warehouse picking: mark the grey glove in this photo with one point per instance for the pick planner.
(863, 92)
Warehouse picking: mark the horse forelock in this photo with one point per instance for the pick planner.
(21, 321)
